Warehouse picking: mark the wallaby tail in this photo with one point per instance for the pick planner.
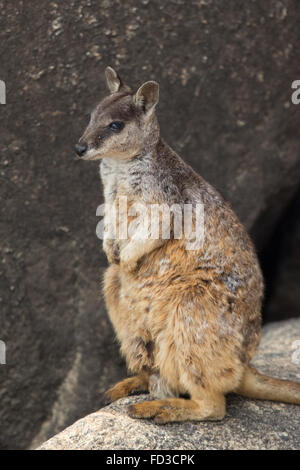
(256, 385)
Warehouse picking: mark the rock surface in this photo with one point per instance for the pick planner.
(225, 70)
(249, 424)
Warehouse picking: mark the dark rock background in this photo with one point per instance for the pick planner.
(225, 70)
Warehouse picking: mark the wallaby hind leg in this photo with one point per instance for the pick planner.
(209, 407)
(138, 384)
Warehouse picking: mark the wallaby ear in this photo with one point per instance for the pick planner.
(113, 80)
(147, 96)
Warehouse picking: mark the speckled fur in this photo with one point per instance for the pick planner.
(188, 321)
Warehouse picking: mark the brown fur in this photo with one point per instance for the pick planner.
(188, 321)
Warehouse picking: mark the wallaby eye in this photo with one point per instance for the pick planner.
(116, 126)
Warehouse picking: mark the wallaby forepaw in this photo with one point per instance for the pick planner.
(112, 251)
(112, 260)
(129, 266)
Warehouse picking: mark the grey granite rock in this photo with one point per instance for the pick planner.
(249, 424)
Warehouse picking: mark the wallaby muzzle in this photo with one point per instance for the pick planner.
(81, 149)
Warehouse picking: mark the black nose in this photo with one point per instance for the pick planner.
(81, 148)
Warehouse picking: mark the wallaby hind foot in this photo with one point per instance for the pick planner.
(131, 386)
(210, 407)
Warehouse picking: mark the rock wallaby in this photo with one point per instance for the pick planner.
(188, 319)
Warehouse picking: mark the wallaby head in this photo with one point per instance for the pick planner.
(122, 125)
